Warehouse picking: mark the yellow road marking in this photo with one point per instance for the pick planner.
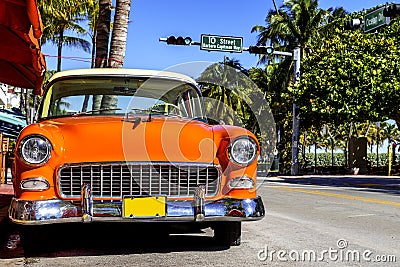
(316, 192)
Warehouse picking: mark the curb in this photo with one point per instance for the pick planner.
(359, 181)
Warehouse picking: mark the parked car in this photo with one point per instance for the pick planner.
(132, 146)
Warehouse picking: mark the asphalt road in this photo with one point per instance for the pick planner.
(308, 223)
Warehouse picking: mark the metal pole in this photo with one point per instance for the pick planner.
(378, 126)
(296, 116)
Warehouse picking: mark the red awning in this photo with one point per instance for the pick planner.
(22, 64)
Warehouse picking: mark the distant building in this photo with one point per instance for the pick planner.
(3, 96)
(8, 97)
(12, 121)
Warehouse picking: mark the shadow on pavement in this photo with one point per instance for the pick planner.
(385, 184)
(111, 239)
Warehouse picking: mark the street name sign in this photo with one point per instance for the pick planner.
(375, 19)
(221, 43)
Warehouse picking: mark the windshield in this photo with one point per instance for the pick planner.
(92, 96)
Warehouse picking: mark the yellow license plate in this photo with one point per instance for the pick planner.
(144, 207)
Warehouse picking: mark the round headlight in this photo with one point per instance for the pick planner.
(243, 150)
(35, 149)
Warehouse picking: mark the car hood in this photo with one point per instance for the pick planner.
(110, 139)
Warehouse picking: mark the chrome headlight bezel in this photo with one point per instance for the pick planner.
(40, 144)
(234, 151)
(242, 182)
(34, 184)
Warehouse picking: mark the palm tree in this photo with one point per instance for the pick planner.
(295, 25)
(224, 82)
(390, 132)
(60, 17)
(93, 17)
(119, 34)
(103, 33)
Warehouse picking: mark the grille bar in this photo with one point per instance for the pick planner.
(114, 180)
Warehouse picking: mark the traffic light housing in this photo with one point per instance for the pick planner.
(172, 40)
(265, 50)
(353, 24)
(392, 10)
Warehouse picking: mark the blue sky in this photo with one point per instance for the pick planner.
(154, 19)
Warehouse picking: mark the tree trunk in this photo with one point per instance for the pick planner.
(59, 49)
(315, 158)
(86, 100)
(103, 33)
(92, 65)
(102, 39)
(118, 44)
(27, 109)
(119, 34)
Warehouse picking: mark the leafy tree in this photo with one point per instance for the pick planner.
(351, 76)
(297, 23)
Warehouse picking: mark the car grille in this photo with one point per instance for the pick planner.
(115, 180)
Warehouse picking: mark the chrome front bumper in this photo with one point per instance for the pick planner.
(60, 211)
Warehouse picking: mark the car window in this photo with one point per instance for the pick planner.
(119, 96)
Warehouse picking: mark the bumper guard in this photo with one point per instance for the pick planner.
(28, 212)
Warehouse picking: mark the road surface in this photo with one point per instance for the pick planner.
(307, 223)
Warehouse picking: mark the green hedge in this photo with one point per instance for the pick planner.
(325, 159)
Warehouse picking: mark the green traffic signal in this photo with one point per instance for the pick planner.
(266, 50)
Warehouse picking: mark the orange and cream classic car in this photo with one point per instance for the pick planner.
(120, 145)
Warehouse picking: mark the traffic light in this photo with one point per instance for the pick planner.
(172, 40)
(392, 10)
(266, 50)
(353, 24)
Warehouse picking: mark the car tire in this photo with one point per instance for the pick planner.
(228, 233)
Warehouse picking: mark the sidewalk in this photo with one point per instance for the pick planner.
(388, 183)
(6, 193)
(6, 189)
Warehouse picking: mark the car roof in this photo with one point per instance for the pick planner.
(123, 72)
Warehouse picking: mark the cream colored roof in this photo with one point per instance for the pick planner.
(123, 72)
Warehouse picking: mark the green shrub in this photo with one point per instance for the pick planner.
(325, 159)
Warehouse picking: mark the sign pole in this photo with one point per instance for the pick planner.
(296, 116)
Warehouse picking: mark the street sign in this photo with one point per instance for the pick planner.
(221, 43)
(375, 19)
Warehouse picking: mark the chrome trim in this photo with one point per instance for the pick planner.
(199, 203)
(24, 140)
(58, 211)
(86, 203)
(231, 158)
(140, 178)
(240, 178)
(41, 179)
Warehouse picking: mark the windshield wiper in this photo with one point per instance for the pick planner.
(94, 110)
